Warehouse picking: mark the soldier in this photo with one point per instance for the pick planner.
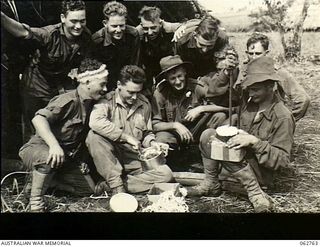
(257, 46)
(61, 128)
(267, 129)
(61, 48)
(179, 110)
(116, 44)
(201, 44)
(120, 125)
(155, 42)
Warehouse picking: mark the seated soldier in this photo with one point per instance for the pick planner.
(120, 124)
(267, 129)
(61, 129)
(179, 110)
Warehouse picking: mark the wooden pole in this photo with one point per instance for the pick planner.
(230, 96)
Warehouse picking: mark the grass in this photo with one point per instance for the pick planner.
(296, 190)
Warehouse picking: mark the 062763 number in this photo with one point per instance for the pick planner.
(309, 243)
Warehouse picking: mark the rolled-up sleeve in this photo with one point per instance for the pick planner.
(57, 109)
(101, 124)
(158, 107)
(39, 34)
(276, 151)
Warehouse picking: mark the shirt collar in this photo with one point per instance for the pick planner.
(120, 102)
(267, 113)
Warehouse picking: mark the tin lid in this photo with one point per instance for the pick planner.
(123, 202)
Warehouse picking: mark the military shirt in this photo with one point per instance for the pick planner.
(116, 54)
(151, 53)
(110, 118)
(275, 128)
(68, 116)
(202, 63)
(167, 106)
(57, 57)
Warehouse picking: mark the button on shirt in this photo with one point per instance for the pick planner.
(110, 118)
(57, 57)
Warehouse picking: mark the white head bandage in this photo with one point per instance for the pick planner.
(91, 75)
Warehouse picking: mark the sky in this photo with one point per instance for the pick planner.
(225, 7)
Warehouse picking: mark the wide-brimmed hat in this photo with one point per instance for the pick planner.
(170, 62)
(258, 70)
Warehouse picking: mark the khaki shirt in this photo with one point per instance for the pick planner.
(275, 128)
(68, 116)
(170, 107)
(110, 118)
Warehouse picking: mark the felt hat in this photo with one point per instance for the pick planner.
(170, 62)
(259, 70)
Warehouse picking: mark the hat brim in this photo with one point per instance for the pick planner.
(256, 78)
(159, 77)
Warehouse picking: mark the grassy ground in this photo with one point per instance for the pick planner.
(297, 188)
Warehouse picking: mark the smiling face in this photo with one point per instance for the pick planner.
(151, 29)
(115, 26)
(97, 88)
(256, 50)
(177, 78)
(73, 23)
(129, 92)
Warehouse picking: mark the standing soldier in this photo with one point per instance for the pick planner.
(61, 48)
(116, 44)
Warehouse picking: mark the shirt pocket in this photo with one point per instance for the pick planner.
(140, 127)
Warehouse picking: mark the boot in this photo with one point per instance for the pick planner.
(27, 187)
(40, 183)
(260, 200)
(211, 185)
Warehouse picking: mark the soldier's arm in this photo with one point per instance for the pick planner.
(100, 122)
(13, 27)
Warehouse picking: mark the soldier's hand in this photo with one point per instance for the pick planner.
(56, 156)
(242, 140)
(179, 33)
(134, 142)
(193, 114)
(184, 133)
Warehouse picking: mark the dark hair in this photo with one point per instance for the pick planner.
(132, 73)
(89, 64)
(150, 13)
(258, 37)
(114, 8)
(72, 5)
(208, 28)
